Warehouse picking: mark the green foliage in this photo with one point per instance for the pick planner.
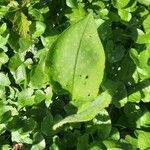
(92, 110)
(75, 74)
(21, 24)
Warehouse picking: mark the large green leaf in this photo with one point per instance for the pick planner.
(76, 62)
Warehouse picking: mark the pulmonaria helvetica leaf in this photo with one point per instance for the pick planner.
(76, 62)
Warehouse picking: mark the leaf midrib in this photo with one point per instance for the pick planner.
(77, 54)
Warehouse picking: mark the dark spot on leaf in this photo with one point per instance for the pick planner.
(80, 75)
(89, 94)
(148, 62)
(87, 77)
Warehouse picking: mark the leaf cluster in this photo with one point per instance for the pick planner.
(75, 74)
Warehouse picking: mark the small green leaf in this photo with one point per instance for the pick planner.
(114, 134)
(117, 145)
(38, 142)
(37, 76)
(54, 146)
(5, 147)
(22, 125)
(145, 91)
(3, 40)
(3, 11)
(142, 37)
(39, 29)
(49, 95)
(39, 96)
(5, 113)
(21, 24)
(132, 111)
(142, 61)
(143, 140)
(35, 14)
(146, 24)
(26, 98)
(3, 58)
(96, 145)
(117, 90)
(135, 96)
(132, 141)
(120, 4)
(2, 92)
(2, 128)
(12, 41)
(4, 80)
(76, 15)
(126, 70)
(15, 61)
(124, 15)
(24, 43)
(3, 28)
(25, 2)
(144, 119)
(72, 3)
(114, 52)
(103, 122)
(20, 74)
(145, 2)
(20, 138)
(46, 125)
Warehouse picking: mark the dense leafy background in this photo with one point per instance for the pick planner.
(29, 107)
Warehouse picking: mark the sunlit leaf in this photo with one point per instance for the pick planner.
(76, 62)
(21, 24)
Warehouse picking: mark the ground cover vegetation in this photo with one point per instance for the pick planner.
(75, 74)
